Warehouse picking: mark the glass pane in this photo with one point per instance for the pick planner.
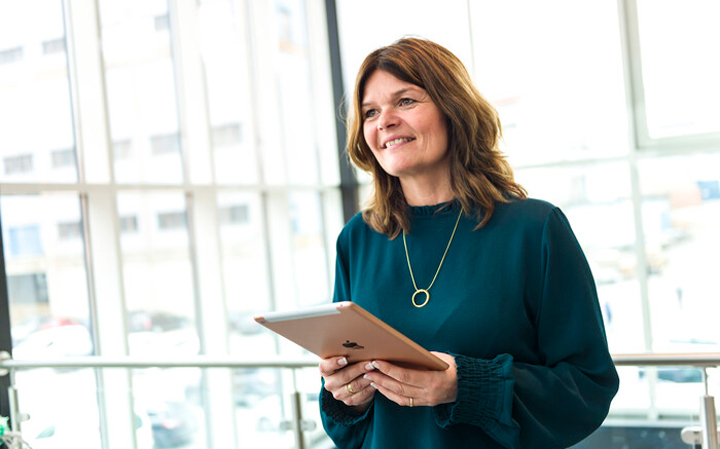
(444, 22)
(309, 388)
(157, 274)
(637, 422)
(636, 435)
(266, 420)
(560, 94)
(263, 413)
(295, 94)
(49, 424)
(224, 53)
(47, 279)
(680, 73)
(141, 91)
(308, 249)
(681, 215)
(160, 301)
(49, 316)
(601, 215)
(37, 141)
(245, 270)
(170, 400)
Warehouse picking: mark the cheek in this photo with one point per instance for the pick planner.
(369, 136)
(440, 135)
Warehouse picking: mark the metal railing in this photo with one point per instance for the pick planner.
(8, 366)
(705, 436)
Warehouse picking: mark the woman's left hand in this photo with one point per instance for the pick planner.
(411, 387)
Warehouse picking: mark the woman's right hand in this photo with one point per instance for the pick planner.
(346, 382)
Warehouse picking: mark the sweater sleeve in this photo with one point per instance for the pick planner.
(560, 400)
(343, 425)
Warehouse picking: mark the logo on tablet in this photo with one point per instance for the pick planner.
(352, 345)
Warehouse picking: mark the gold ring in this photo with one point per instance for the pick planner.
(411, 402)
(350, 390)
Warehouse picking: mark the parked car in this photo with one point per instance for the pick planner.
(680, 374)
(56, 341)
(71, 431)
(251, 385)
(173, 423)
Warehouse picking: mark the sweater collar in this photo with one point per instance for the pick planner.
(448, 207)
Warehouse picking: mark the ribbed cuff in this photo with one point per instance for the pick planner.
(338, 411)
(482, 385)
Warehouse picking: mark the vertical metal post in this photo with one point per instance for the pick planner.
(5, 335)
(708, 418)
(14, 406)
(297, 420)
(348, 180)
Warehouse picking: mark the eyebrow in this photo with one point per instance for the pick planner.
(396, 94)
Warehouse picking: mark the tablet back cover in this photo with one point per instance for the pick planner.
(346, 329)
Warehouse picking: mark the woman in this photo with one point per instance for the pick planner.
(450, 252)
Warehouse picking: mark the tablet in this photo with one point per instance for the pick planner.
(346, 329)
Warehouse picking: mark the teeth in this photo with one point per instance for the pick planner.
(396, 141)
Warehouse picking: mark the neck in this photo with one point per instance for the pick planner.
(423, 193)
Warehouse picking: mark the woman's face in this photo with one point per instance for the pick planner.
(405, 130)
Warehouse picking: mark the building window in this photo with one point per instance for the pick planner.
(128, 224)
(238, 214)
(25, 241)
(226, 135)
(122, 149)
(165, 143)
(69, 230)
(63, 158)
(54, 46)
(28, 288)
(22, 163)
(172, 220)
(11, 55)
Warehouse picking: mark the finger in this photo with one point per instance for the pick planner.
(330, 365)
(399, 399)
(342, 376)
(362, 397)
(393, 389)
(404, 376)
(355, 392)
(357, 385)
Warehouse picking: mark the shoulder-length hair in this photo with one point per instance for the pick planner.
(479, 173)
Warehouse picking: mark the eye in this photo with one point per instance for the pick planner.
(370, 113)
(406, 101)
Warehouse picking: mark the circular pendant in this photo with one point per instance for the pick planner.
(427, 297)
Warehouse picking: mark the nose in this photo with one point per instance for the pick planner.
(387, 120)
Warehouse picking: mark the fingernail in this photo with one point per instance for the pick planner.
(372, 384)
(369, 367)
(342, 361)
(365, 376)
(375, 364)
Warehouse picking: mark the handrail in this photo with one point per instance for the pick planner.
(706, 359)
(8, 365)
(668, 359)
(198, 361)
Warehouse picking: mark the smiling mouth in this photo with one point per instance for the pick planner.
(392, 143)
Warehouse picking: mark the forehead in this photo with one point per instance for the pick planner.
(381, 84)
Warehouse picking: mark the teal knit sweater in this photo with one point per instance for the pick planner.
(515, 303)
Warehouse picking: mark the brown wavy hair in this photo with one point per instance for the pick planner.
(479, 173)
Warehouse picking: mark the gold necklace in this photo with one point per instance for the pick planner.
(425, 290)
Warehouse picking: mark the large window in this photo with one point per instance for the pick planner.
(610, 111)
(678, 94)
(168, 169)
